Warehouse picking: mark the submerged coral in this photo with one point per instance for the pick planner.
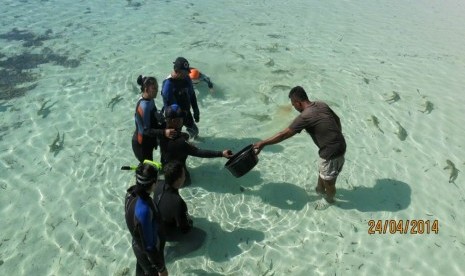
(16, 71)
(15, 83)
(30, 39)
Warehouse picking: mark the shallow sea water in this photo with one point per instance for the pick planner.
(68, 74)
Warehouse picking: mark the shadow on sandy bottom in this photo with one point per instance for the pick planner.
(387, 195)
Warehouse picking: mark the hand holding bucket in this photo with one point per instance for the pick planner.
(243, 161)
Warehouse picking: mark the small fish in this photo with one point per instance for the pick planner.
(201, 272)
(375, 122)
(270, 63)
(281, 71)
(197, 43)
(428, 107)
(239, 55)
(454, 172)
(44, 110)
(265, 98)
(114, 101)
(56, 146)
(260, 118)
(393, 98)
(366, 80)
(401, 132)
(164, 33)
(275, 35)
(281, 87)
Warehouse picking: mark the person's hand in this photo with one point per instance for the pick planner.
(227, 154)
(164, 273)
(196, 117)
(170, 133)
(258, 147)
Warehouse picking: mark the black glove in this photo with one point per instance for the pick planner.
(196, 117)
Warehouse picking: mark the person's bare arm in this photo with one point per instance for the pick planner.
(277, 138)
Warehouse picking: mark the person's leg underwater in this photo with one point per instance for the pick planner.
(328, 172)
(190, 125)
(330, 188)
(320, 187)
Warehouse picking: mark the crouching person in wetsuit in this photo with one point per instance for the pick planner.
(172, 207)
(144, 223)
(182, 236)
(177, 148)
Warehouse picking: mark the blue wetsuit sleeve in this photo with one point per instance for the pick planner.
(149, 233)
(144, 216)
(146, 116)
(145, 109)
(167, 93)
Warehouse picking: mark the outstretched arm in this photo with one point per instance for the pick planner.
(277, 138)
(206, 79)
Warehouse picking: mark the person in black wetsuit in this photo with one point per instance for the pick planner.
(177, 148)
(197, 77)
(149, 122)
(144, 223)
(178, 89)
(173, 209)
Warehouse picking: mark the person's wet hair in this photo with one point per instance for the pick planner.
(146, 81)
(173, 171)
(298, 93)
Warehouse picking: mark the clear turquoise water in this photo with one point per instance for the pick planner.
(64, 63)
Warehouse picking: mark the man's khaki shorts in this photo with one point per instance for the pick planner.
(329, 169)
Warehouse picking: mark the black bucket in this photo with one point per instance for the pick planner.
(242, 162)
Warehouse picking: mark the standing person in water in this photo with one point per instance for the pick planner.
(197, 76)
(144, 223)
(324, 126)
(149, 122)
(178, 89)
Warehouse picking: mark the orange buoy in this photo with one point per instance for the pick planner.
(194, 74)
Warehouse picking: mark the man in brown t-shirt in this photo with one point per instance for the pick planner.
(324, 126)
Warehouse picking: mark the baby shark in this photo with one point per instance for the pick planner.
(454, 172)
